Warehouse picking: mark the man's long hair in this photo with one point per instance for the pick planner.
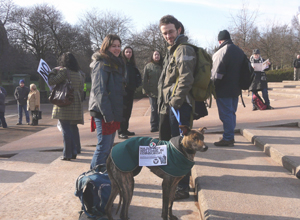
(170, 19)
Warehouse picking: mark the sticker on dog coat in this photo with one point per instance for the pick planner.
(153, 155)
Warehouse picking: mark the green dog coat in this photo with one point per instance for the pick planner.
(125, 155)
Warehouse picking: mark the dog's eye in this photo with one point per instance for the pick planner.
(195, 138)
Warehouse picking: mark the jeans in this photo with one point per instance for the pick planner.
(2, 120)
(154, 119)
(265, 96)
(103, 147)
(227, 108)
(76, 138)
(185, 112)
(20, 107)
(71, 138)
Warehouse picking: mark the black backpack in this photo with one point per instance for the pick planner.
(93, 189)
(247, 74)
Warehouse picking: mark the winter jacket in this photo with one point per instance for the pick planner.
(132, 76)
(33, 100)
(21, 94)
(151, 76)
(260, 78)
(182, 66)
(73, 112)
(227, 63)
(106, 96)
(297, 63)
(2, 102)
(3, 91)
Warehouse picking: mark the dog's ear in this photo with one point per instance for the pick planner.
(185, 129)
(202, 130)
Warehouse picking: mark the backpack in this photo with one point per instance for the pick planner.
(202, 87)
(246, 74)
(93, 189)
(258, 102)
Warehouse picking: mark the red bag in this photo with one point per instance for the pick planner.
(93, 124)
(258, 102)
(110, 128)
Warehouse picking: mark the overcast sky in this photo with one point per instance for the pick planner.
(202, 18)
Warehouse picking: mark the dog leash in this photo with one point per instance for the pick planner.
(177, 116)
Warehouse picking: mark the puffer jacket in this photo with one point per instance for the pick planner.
(226, 70)
(73, 112)
(151, 76)
(106, 96)
(183, 66)
(33, 100)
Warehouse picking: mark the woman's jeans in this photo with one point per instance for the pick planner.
(227, 108)
(104, 145)
(20, 107)
(71, 138)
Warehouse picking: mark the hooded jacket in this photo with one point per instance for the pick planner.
(106, 96)
(227, 63)
(183, 66)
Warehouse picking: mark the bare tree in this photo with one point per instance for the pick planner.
(243, 25)
(98, 24)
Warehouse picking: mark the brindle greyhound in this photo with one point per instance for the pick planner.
(123, 183)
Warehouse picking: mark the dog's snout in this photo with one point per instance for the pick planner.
(204, 148)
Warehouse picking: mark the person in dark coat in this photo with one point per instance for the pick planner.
(133, 81)
(21, 95)
(260, 82)
(297, 68)
(226, 70)
(151, 76)
(2, 109)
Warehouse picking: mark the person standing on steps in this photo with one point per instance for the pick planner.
(151, 76)
(133, 81)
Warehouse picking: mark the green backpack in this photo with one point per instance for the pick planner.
(203, 87)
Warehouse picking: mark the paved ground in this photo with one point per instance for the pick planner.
(248, 181)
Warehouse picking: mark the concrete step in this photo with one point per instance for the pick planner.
(241, 182)
(281, 143)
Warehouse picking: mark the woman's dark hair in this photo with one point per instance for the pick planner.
(106, 43)
(69, 61)
(132, 59)
(160, 58)
(170, 19)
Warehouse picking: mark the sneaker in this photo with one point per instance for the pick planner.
(224, 143)
(181, 194)
(254, 108)
(129, 133)
(123, 136)
(154, 129)
(19, 123)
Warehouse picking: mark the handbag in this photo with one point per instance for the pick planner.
(62, 94)
(36, 114)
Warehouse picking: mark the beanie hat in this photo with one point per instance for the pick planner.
(21, 81)
(224, 35)
(256, 51)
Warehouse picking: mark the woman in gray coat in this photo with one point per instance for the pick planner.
(106, 96)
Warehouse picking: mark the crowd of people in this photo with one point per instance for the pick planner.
(166, 81)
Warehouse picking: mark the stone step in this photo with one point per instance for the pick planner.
(241, 182)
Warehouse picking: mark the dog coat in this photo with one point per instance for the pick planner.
(125, 155)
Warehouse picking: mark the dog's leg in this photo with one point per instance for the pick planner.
(169, 187)
(126, 193)
(171, 199)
